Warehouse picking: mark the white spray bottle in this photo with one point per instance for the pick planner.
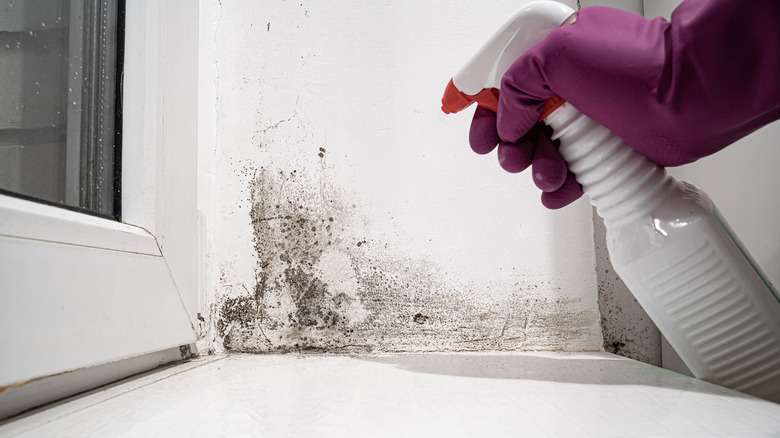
(666, 239)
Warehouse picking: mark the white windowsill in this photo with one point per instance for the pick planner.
(425, 395)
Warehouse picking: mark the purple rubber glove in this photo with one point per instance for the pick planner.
(674, 90)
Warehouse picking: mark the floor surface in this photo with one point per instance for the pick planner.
(425, 395)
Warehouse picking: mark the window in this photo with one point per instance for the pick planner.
(58, 115)
(78, 291)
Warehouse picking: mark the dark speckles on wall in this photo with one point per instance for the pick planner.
(420, 318)
(305, 297)
(626, 328)
(324, 284)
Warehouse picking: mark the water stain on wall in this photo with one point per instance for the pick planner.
(323, 284)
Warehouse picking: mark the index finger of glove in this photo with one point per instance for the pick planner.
(523, 92)
(483, 136)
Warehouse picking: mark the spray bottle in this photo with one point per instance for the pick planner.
(666, 239)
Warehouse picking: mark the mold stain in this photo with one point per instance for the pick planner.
(627, 329)
(305, 296)
(323, 284)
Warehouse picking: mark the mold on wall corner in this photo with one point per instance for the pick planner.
(323, 284)
(306, 290)
(344, 217)
(628, 330)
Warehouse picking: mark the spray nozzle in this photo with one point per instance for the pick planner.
(480, 79)
(455, 100)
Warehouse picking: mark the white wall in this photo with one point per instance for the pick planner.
(350, 211)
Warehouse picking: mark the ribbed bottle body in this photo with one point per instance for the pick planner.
(679, 258)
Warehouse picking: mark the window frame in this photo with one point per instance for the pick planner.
(81, 291)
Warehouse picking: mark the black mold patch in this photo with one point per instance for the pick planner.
(420, 318)
(323, 284)
(292, 307)
(235, 313)
(626, 328)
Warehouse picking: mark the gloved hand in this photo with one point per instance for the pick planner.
(676, 91)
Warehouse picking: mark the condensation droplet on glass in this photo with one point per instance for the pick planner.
(74, 102)
(31, 33)
(43, 24)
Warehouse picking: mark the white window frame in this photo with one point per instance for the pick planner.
(78, 291)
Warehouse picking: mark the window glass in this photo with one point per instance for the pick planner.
(58, 105)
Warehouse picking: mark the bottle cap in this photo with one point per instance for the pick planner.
(550, 105)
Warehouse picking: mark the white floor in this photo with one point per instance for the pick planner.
(432, 395)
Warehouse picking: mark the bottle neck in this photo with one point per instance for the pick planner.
(622, 184)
